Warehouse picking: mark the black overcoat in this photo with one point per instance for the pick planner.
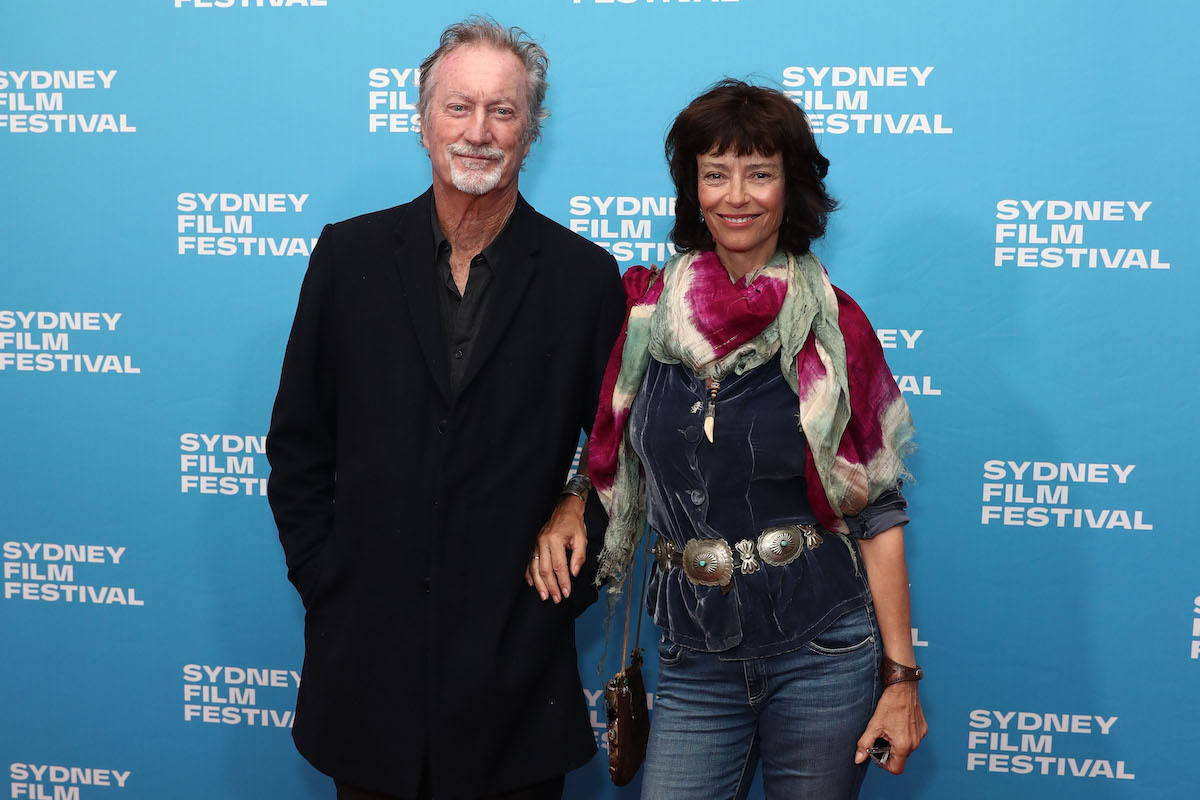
(407, 516)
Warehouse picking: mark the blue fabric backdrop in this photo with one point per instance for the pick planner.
(1018, 198)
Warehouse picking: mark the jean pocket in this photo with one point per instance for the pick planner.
(848, 633)
(669, 653)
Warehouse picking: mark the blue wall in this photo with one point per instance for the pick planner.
(1055, 588)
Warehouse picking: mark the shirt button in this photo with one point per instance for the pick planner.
(691, 433)
(458, 353)
(697, 496)
(441, 427)
(427, 583)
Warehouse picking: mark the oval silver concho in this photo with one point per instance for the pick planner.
(781, 546)
(708, 562)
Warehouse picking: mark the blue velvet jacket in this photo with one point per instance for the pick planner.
(750, 478)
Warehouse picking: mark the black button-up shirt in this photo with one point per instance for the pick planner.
(462, 313)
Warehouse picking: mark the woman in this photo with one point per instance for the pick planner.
(754, 399)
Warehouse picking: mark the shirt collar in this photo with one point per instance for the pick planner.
(493, 254)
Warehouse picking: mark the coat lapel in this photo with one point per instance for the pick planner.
(414, 260)
(507, 288)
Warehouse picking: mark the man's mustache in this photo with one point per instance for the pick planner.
(493, 153)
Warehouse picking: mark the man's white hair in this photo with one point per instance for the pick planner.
(487, 31)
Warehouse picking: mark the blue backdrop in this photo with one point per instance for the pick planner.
(1018, 198)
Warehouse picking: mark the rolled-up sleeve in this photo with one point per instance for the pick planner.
(886, 511)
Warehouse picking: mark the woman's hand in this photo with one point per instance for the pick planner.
(898, 719)
(559, 552)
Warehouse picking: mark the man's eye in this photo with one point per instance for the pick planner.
(457, 107)
(504, 112)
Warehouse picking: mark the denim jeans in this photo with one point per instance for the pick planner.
(800, 713)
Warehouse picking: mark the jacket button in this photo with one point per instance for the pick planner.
(441, 427)
(691, 433)
(427, 583)
(697, 497)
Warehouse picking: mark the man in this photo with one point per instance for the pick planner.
(445, 355)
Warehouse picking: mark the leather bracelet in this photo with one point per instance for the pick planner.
(579, 485)
(893, 672)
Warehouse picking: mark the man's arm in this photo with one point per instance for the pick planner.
(570, 542)
(301, 441)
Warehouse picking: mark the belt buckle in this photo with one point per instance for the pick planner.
(708, 562)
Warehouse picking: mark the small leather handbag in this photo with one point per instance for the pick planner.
(625, 697)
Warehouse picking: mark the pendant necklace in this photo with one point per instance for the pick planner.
(710, 412)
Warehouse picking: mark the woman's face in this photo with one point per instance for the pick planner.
(742, 198)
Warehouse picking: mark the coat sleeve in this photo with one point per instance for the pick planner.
(301, 442)
(608, 326)
(611, 315)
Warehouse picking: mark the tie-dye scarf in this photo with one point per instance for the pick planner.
(856, 424)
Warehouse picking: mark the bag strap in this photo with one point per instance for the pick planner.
(637, 639)
(628, 607)
(641, 601)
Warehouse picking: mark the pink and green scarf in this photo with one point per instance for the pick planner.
(857, 427)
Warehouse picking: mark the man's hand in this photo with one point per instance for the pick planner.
(559, 552)
(899, 719)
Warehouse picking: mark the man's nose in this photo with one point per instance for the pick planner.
(478, 132)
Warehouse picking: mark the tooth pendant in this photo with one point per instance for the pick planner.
(710, 412)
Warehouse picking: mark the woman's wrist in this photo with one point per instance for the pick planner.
(892, 672)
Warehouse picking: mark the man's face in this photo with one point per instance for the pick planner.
(476, 122)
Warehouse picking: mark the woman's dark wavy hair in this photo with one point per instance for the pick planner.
(735, 115)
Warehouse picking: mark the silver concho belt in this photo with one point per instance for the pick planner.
(711, 562)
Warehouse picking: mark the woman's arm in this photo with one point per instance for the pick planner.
(898, 717)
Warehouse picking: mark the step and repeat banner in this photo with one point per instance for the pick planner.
(1017, 187)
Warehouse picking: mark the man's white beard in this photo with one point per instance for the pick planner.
(475, 180)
